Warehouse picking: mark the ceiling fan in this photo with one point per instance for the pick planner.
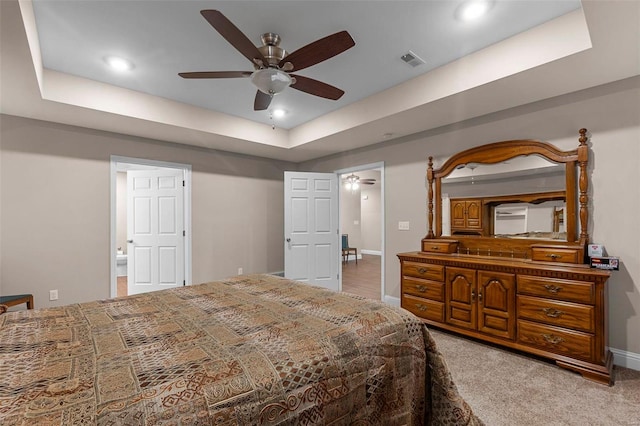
(353, 182)
(273, 65)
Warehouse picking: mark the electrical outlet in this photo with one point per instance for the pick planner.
(240, 271)
(53, 294)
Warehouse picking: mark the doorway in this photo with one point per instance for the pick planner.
(362, 221)
(122, 256)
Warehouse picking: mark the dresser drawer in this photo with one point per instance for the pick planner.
(563, 314)
(423, 308)
(556, 288)
(423, 270)
(439, 246)
(423, 288)
(562, 341)
(556, 254)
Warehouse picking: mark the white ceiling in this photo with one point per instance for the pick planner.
(164, 38)
(52, 67)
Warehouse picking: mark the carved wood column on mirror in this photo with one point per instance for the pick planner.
(531, 290)
(430, 197)
(583, 156)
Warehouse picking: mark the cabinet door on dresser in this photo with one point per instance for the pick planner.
(466, 214)
(458, 214)
(461, 290)
(474, 214)
(496, 302)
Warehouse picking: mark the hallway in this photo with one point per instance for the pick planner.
(362, 279)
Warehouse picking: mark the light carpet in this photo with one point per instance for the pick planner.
(512, 389)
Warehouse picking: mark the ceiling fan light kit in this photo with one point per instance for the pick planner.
(273, 64)
(271, 81)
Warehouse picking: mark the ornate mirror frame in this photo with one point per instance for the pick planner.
(576, 192)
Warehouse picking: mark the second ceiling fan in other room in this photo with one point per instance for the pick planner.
(273, 65)
(353, 182)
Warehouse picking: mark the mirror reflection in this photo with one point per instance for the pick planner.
(523, 197)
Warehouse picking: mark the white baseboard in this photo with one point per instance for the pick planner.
(390, 300)
(626, 359)
(373, 252)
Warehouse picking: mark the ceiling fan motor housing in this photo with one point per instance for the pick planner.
(271, 50)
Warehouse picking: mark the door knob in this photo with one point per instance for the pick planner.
(129, 241)
(288, 240)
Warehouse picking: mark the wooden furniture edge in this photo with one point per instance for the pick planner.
(489, 262)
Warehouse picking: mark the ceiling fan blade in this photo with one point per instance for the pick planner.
(215, 74)
(262, 101)
(319, 50)
(233, 35)
(317, 88)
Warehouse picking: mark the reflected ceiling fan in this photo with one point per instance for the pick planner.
(273, 65)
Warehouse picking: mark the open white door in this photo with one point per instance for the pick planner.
(155, 230)
(311, 246)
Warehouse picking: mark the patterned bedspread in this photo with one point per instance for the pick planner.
(249, 350)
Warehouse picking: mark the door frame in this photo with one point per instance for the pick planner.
(370, 166)
(132, 161)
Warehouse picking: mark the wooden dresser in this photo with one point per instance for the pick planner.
(553, 310)
(532, 291)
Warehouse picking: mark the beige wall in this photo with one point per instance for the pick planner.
(612, 115)
(365, 234)
(349, 215)
(55, 212)
(54, 197)
(371, 214)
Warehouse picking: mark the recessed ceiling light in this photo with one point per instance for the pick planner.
(474, 9)
(279, 113)
(118, 64)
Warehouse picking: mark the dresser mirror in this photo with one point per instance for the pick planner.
(523, 197)
(507, 196)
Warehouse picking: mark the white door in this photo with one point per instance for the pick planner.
(155, 230)
(311, 246)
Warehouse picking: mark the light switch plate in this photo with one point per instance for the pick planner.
(403, 226)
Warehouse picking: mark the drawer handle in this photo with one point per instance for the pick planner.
(435, 248)
(554, 256)
(552, 288)
(552, 313)
(554, 340)
(421, 289)
(421, 307)
(422, 270)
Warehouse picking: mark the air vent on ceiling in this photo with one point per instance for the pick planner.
(412, 59)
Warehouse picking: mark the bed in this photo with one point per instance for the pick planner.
(247, 350)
